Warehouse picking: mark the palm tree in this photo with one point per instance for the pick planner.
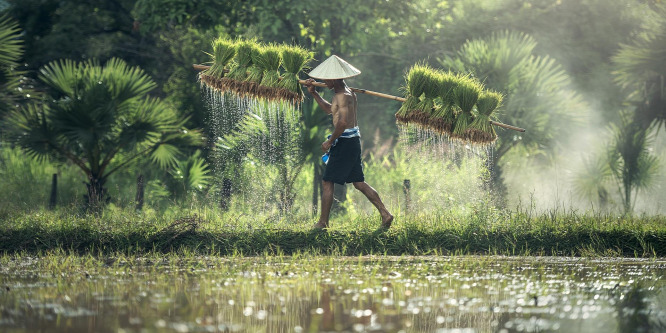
(641, 70)
(631, 164)
(535, 93)
(11, 51)
(101, 119)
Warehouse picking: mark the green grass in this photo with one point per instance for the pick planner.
(206, 231)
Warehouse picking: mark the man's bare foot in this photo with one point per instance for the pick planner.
(387, 220)
(320, 225)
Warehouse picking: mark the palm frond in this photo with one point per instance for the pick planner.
(11, 46)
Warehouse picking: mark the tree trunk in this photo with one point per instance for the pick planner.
(97, 196)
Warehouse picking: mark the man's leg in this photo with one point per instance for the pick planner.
(373, 196)
(326, 203)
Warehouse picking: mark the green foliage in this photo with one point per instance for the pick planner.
(29, 182)
(270, 138)
(11, 50)
(480, 231)
(641, 69)
(100, 119)
(630, 162)
(188, 177)
(536, 92)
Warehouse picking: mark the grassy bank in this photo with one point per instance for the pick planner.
(212, 232)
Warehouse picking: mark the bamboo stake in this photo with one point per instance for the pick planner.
(377, 94)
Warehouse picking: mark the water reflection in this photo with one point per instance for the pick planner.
(314, 294)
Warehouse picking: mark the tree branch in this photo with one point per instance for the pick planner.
(121, 165)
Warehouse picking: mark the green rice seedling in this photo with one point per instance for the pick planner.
(243, 60)
(415, 85)
(481, 130)
(424, 109)
(444, 116)
(466, 94)
(294, 60)
(254, 72)
(270, 62)
(224, 51)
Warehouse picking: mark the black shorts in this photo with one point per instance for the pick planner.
(344, 163)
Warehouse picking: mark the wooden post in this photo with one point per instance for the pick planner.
(54, 192)
(406, 188)
(225, 194)
(140, 188)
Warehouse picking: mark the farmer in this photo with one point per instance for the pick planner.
(344, 145)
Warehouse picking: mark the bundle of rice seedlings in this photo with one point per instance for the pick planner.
(294, 60)
(269, 62)
(243, 60)
(444, 116)
(480, 130)
(426, 106)
(466, 94)
(415, 81)
(224, 51)
(254, 72)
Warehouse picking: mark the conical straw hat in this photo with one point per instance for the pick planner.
(334, 68)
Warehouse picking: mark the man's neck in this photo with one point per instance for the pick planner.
(340, 87)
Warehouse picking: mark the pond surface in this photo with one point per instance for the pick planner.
(327, 294)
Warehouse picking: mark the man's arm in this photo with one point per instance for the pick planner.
(323, 104)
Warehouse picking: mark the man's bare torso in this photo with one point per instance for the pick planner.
(344, 106)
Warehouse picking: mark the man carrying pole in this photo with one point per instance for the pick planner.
(344, 145)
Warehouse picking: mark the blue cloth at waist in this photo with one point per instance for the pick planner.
(349, 133)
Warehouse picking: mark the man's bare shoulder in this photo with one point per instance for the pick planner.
(344, 98)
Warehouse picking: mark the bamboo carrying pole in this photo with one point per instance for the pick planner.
(374, 93)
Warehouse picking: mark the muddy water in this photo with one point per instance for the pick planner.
(324, 294)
